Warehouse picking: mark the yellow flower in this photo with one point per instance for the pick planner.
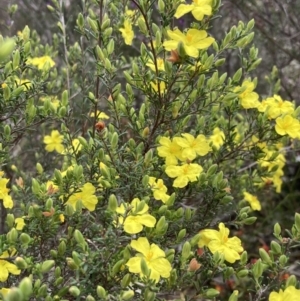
(135, 218)
(61, 218)
(199, 8)
(75, 149)
(218, 241)
(193, 41)
(184, 174)
(64, 173)
(191, 147)
(288, 125)
(99, 115)
(41, 62)
(53, 100)
(289, 294)
(127, 32)
(169, 150)
(253, 201)
(133, 15)
(26, 83)
(160, 64)
(54, 142)
(270, 161)
(76, 145)
(51, 187)
(217, 138)
(19, 221)
(6, 267)
(248, 98)
(14, 82)
(86, 196)
(3, 292)
(159, 189)
(276, 107)
(154, 258)
(7, 200)
(276, 180)
(162, 86)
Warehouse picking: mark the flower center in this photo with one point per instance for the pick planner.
(149, 255)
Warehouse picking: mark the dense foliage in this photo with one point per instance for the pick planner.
(134, 167)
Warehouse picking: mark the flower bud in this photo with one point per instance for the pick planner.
(265, 256)
(257, 269)
(114, 140)
(249, 220)
(195, 240)
(186, 250)
(21, 263)
(291, 281)
(297, 221)
(62, 248)
(126, 280)
(74, 291)
(188, 214)
(16, 59)
(283, 260)
(277, 230)
(57, 272)
(26, 287)
(112, 203)
(39, 168)
(47, 266)
(12, 235)
(161, 6)
(14, 294)
(234, 296)
(275, 247)
(149, 295)
(117, 266)
(211, 293)
(42, 291)
(53, 253)
(80, 21)
(69, 211)
(79, 237)
(181, 235)
(144, 267)
(105, 171)
(71, 264)
(90, 298)
(242, 273)
(127, 295)
(194, 265)
(244, 258)
(10, 220)
(237, 76)
(161, 225)
(180, 49)
(101, 292)
(76, 258)
(171, 200)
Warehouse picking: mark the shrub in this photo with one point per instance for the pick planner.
(132, 176)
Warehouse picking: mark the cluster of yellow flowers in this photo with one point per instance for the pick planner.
(54, 142)
(6, 267)
(275, 107)
(4, 196)
(193, 40)
(186, 149)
